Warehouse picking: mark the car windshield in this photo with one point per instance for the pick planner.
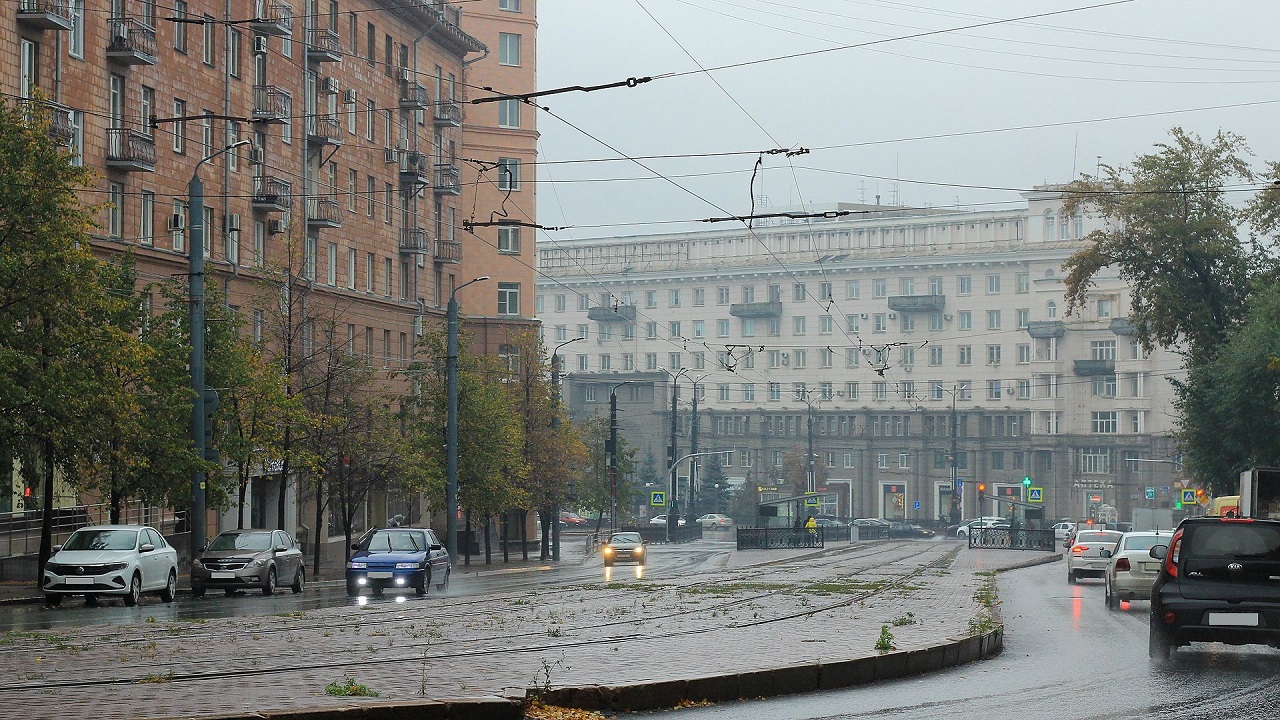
(1236, 540)
(395, 541)
(102, 540)
(255, 541)
(627, 537)
(1145, 542)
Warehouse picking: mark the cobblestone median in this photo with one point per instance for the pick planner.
(824, 607)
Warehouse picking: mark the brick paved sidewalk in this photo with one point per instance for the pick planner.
(763, 610)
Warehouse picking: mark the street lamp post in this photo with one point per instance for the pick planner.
(451, 437)
(672, 516)
(555, 423)
(195, 278)
(671, 471)
(612, 452)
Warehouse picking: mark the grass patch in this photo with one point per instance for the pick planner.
(846, 587)
(734, 587)
(349, 688)
(156, 679)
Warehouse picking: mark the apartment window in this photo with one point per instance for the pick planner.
(206, 135)
(508, 174)
(370, 188)
(964, 285)
(146, 218)
(851, 290)
(904, 461)
(826, 357)
(352, 178)
(508, 298)
(673, 361)
(1024, 318)
(1095, 461)
(936, 390)
(1024, 389)
(908, 322)
(606, 362)
(848, 460)
(388, 204)
(881, 323)
(775, 391)
(797, 325)
(993, 319)
(880, 390)
(259, 242)
(966, 319)
(508, 49)
(993, 390)
(722, 328)
(993, 354)
(748, 327)
(351, 268)
(509, 113)
(749, 392)
(1022, 282)
(588, 391)
(509, 5)
(673, 329)
(509, 239)
(1104, 308)
(1104, 387)
(1102, 349)
(801, 358)
(233, 52)
(852, 321)
(851, 390)
(699, 328)
(651, 361)
(210, 49)
(882, 461)
(179, 28)
(115, 213)
(76, 45)
(147, 107)
(851, 357)
(798, 293)
(748, 293)
(722, 296)
(77, 138)
(1024, 354)
(966, 355)
(233, 155)
(673, 298)
(935, 355)
(179, 237)
(331, 276)
(993, 284)
(879, 288)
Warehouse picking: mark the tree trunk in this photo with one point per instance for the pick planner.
(466, 541)
(114, 500)
(244, 492)
(286, 445)
(524, 533)
(546, 515)
(488, 547)
(315, 531)
(46, 525)
(506, 537)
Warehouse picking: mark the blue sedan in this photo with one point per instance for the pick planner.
(398, 558)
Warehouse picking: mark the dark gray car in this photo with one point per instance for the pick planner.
(249, 559)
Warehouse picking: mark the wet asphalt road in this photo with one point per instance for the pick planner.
(668, 561)
(1066, 657)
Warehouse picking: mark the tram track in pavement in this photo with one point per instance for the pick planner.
(437, 648)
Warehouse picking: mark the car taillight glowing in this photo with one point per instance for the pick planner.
(1122, 563)
(1171, 562)
(1078, 549)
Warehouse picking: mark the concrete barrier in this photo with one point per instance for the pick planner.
(473, 708)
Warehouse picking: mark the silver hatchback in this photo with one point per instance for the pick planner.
(249, 559)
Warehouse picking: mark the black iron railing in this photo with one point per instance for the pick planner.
(1010, 539)
(767, 538)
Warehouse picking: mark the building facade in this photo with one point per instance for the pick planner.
(363, 152)
(906, 347)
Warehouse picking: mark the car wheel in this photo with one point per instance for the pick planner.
(444, 584)
(91, 599)
(135, 591)
(1158, 647)
(197, 591)
(229, 592)
(424, 582)
(1113, 600)
(52, 599)
(1071, 576)
(377, 590)
(270, 587)
(299, 581)
(170, 590)
(353, 590)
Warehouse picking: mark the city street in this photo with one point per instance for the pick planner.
(1066, 657)
(725, 610)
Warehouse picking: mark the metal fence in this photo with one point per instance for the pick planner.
(20, 531)
(1009, 539)
(767, 538)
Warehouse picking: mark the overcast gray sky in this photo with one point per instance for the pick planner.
(937, 113)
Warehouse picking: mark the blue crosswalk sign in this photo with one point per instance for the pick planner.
(1035, 494)
(657, 498)
(1188, 497)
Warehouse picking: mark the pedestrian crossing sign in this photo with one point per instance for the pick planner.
(1035, 494)
(811, 501)
(1188, 497)
(657, 498)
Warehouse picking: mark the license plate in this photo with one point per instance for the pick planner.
(1242, 619)
(379, 575)
(79, 581)
(222, 575)
(1150, 567)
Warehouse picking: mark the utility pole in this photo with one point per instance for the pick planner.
(692, 514)
(451, 434)
(673, 514)
(955, 491)
(555, 424)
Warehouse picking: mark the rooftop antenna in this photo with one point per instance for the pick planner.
(1075, 155)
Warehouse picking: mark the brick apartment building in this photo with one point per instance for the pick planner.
(367, 159)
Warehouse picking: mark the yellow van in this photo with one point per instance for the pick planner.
(1223, 505)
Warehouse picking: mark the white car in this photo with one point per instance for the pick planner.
(662, 520)
(123, 560)
(1132, 571)
(1062, 530)
(715, 520)
(982, 522)
(1085, 557)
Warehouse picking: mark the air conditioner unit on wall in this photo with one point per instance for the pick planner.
(233, 222)
(329, 86)
(177, 221)
(893, 316)
(389, 155)
(257, 156)
(405, 75)
(260, 45)
(349, 97)
(275, 227)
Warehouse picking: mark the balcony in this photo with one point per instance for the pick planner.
(59, 118)
(324, 130)
(414, 241)
(271, 104)
(130, 151)
(275, 19)
(323, 213)
(1123, 326)
(448, 251)
(448, 113)
(756, 309)
(413, 96)
(1047, 329)
(1088, 368)
(917, 303)
(44, 14)
(415, 171)
(608, 313)
(132, 42)
(271, 194)
(447, 180)
(323, 45)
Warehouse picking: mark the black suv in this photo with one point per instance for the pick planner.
(1219, 582)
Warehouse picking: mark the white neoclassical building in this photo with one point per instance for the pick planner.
(881, 337)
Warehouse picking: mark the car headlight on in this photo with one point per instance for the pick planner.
(607, 550)
(408, 566)
(355, 565)
(639, 550)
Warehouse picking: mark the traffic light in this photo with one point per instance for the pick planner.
(982, 494)
(1026, 481)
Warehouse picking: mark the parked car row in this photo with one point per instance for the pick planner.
(126, 561)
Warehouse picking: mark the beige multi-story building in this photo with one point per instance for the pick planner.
(882, 338)
(366, 156)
